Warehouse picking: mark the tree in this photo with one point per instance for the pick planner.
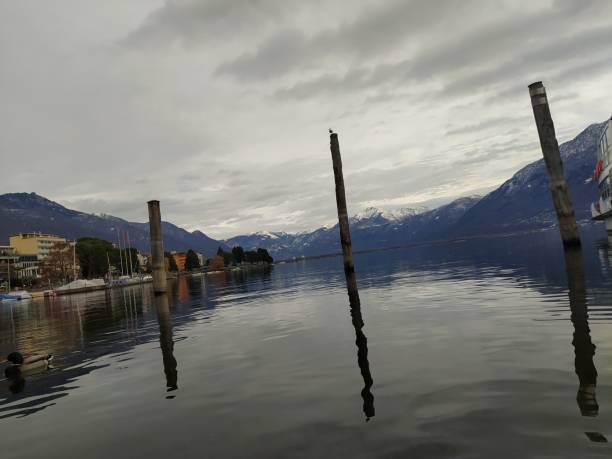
(172, 266)
(58, 265)
(216, 262)
(92, 253)
(191, 261)
(238, 254)
(95, 255)
(264, 256)
(250, 256)
(228, 258)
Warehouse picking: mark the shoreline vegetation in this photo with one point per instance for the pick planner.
(236, 260)
(92, 264)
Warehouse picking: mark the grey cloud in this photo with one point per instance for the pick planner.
(196, 23)
(376, 32)
(483, 57)
(484, 125)
(216, 107)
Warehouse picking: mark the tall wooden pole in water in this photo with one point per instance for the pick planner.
(343, 221)
(351, 279)
(157, 248)
(554, 165)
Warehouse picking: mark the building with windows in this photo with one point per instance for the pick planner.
(27, 266)
(38, 244)
(8, 258)
(602, 208)
(143, 260)
(179, 259)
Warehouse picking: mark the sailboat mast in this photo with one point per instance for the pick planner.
(110, 273)
(74, 272)
(130, 253)
(120, 257)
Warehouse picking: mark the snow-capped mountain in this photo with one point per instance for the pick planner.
(372, 216)
(521, 203)
(524, 202)
(370, 228)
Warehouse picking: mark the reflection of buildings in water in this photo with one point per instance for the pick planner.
(217, 279)
(166, 342)
(604, 251)
(362, 346)
(182, 288)
(33, 326)
(584, 348)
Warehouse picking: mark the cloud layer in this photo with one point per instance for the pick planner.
(220, 109)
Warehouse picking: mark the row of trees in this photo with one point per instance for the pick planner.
(238, 255)
(95, 255)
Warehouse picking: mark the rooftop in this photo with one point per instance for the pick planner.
(36, 235)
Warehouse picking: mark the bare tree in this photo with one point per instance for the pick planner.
(58, 265)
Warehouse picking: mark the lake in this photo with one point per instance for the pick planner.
(477, 348)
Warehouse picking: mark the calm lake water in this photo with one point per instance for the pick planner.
(478, 348)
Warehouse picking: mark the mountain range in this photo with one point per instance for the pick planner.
(522, 203)
(29, 212)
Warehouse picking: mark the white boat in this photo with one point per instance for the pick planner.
(81, 285)
(18, 295)
(602, 208)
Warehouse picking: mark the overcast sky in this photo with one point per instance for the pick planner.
(220, 108)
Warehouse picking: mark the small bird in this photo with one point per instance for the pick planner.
(331, 132)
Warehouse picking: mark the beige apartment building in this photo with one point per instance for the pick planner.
(38, 244)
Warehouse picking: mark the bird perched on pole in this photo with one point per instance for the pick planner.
(330, 131)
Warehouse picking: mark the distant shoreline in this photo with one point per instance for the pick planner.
(434, 242)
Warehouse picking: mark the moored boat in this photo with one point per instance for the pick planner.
(18, 295)
(81, 286)
(602, 208)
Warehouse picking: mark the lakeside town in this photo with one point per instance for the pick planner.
(39, 264)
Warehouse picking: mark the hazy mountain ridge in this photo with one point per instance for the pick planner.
(29, 212)
(521, 203)
(371, 228)
(524, 202)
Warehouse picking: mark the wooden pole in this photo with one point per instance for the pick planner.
(157, 248)
(351, 279)
(554, 165)
(343, 221)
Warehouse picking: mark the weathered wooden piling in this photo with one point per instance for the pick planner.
(157, 248)
(351, 279)
(343, 221)
(554, 165)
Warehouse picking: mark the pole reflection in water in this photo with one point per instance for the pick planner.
(166, 342)
(351, 280)
(584, 349)
(583, 346)
(362, 345)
